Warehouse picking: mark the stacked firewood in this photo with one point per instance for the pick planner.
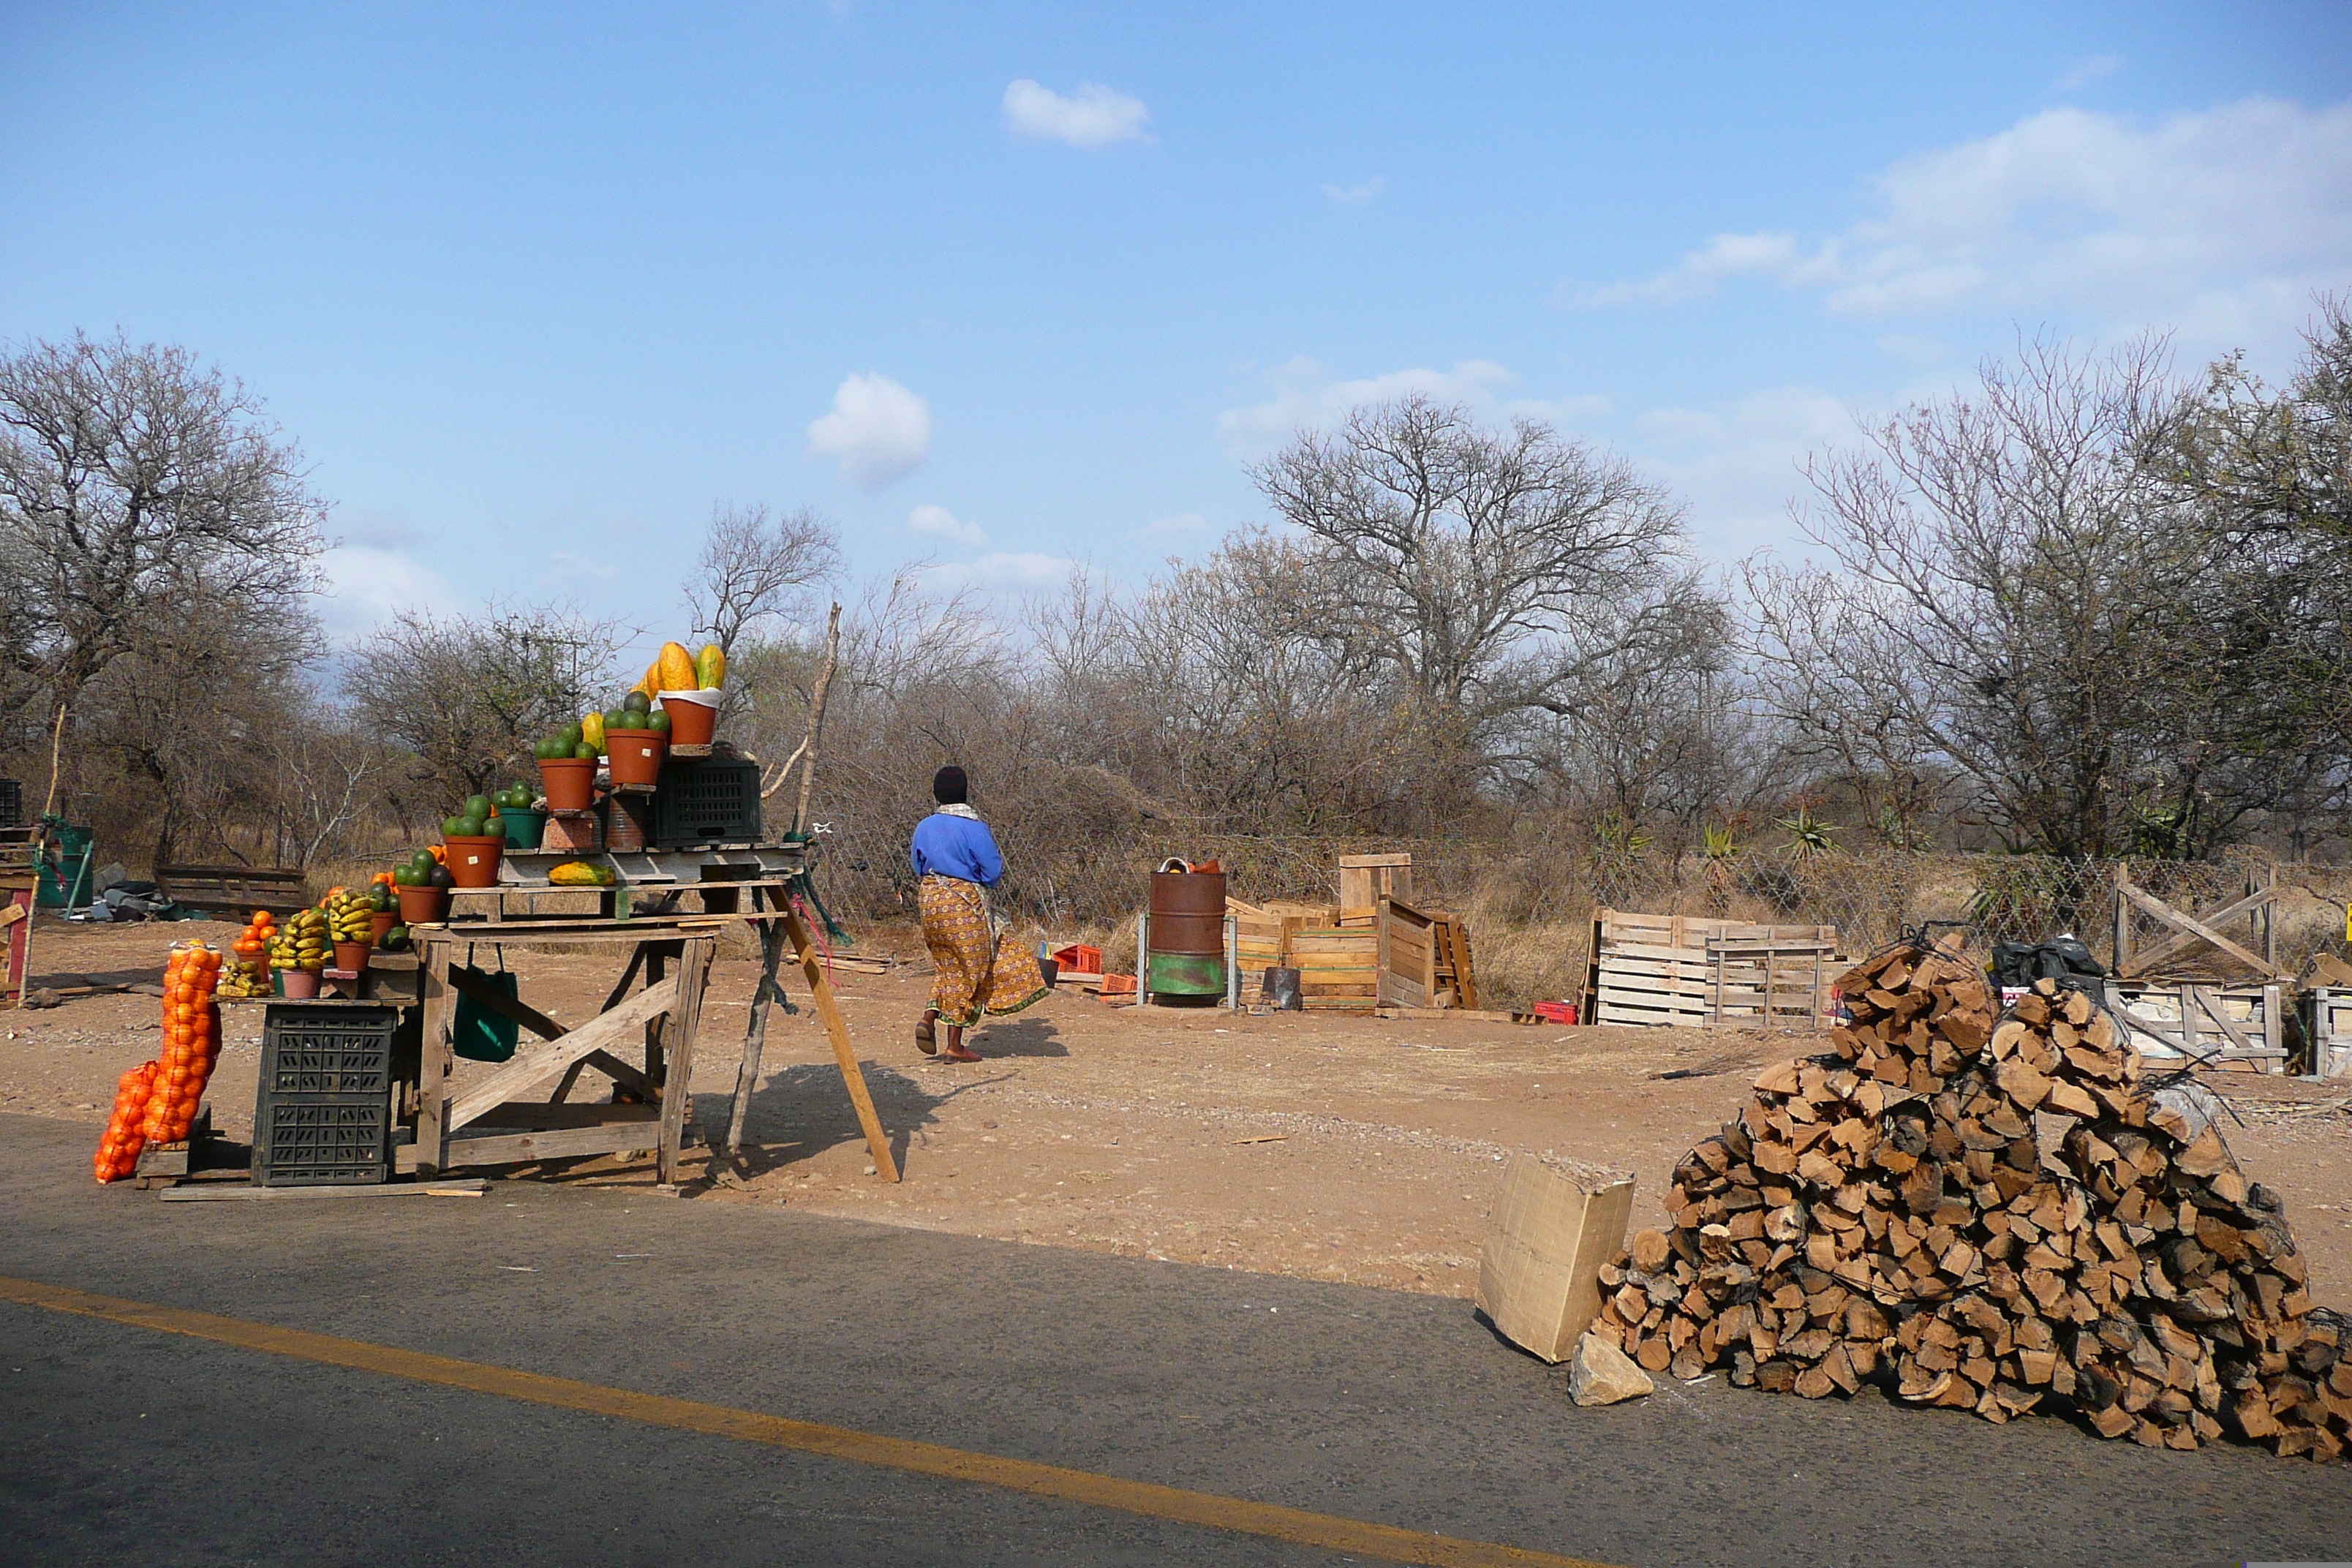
(1888, 1213)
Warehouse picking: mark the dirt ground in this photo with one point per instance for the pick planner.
(1343, 1148)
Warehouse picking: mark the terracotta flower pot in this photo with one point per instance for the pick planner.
(301, 984)
(569, 783)
(424, 906)
(379, 922)
(353, 955)
(473, 861)
(693, 716)
(636, 756)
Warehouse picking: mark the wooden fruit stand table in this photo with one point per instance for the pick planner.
(668, 965)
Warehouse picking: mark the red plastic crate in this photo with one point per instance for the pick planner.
(1556, 1012)
(1079, 959)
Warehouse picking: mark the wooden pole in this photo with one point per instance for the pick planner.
(852, 1075)
(56, 734)
(816, 717)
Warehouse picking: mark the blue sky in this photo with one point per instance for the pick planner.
(1020, 285)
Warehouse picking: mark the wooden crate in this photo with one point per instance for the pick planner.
(1366, 879)
(2185, 1021)
(2327, 1024)
(1666, 971)
(1338, 967)
(1407, 952)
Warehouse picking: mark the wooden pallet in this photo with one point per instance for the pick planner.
(1671, 971)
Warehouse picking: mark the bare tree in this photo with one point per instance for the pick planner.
(468, 695)
(130, 479)
(756, 567)
(1464, 559)
(2025, 600)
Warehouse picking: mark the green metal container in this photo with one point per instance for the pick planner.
(1187, 974)
(66, 884)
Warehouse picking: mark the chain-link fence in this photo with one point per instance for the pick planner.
(1530, 907)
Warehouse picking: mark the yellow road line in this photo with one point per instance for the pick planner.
(1206, 1509)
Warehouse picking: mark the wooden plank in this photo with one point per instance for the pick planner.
(852, 1076)
(555, 1143)
(534, 1064)
(435, 1060)
(538, 1116)
(217, 1194)
(1373, 862)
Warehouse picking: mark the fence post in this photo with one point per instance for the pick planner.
(2123, 919)
(1143, 957)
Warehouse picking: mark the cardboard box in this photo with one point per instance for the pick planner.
(1555, 1222)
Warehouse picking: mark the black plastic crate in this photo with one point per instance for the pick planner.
(702, 801)
(308, 1051)
(12, 804)
(321, 1143)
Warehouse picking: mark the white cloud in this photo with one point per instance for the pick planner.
(877, 430)
(1021, 572)
(939, 522)
(1360, 195)
(1176, 525)
(1304, 397)
(368, 584)
(2090, 68)
(2216, 222)
(1095, 116)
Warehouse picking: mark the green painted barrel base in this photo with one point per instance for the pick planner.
(1186, 974)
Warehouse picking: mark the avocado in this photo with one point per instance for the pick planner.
(637, 702)
(458, 826)
(658, 723)
(477, 807)
(441, 876)
(583, 753)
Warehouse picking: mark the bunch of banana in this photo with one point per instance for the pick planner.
(301, 942)
(244, 982)
(349, 915)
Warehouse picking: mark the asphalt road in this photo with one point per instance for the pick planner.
(119, 1442)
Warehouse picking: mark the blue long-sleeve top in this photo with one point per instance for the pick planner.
(960, 847)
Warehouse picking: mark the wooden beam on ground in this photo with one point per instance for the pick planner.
(220, 1193)
(852, 1075)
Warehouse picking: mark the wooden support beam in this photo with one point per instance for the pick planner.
(755, 1031)
(544, 1060)
(679, 1031)
(852, 1075)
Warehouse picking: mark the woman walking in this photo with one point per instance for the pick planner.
(979, 971)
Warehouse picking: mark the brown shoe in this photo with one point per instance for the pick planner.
(926, 1040)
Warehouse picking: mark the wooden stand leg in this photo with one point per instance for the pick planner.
(656, 967)
(434, 1062)
(678, 1097)
(838, 1031)
(755, 1033)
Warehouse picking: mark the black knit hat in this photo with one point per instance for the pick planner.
(949, 787)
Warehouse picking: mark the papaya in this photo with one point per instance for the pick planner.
(711, 666)
(650, 682)
(581, 874)
(677, 668)
(592, 731)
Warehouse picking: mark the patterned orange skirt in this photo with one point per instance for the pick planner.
(977, 972)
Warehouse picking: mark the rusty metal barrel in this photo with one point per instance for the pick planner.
(1186, 933)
